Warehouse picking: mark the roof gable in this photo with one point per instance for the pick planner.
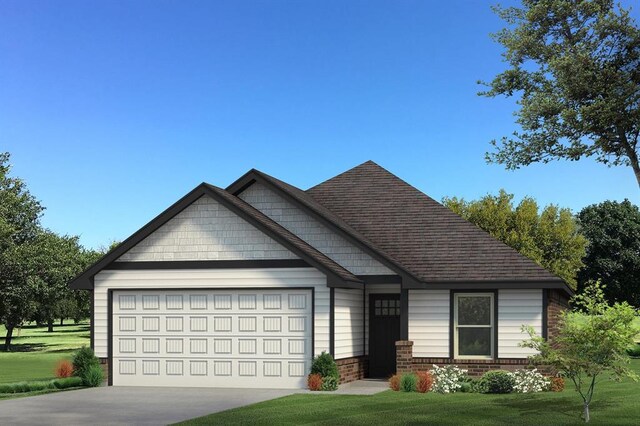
(274, 231)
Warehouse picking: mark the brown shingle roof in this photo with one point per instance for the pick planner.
(420, 234)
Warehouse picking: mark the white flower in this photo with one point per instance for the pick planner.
(447, 379)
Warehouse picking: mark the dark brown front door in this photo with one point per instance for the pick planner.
(384, 331)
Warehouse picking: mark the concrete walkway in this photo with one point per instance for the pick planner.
(128, 405)
(359, 387)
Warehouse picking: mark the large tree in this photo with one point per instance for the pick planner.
(574, 66)
(549, 237)
(19, 226)
(613, 254)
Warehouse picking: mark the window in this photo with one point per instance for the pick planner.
(473, 325)
(387, 307)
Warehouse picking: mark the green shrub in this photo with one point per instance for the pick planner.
(408, 382)
(69, 382)
(329, 383)
(325, 366)
(83, 360)
(93, 377)
(498, 382)
(22, 387)
(634, 351)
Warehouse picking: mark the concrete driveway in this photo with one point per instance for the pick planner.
(128, 405)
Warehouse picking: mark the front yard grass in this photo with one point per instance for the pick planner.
(613, 404)
(35, 352)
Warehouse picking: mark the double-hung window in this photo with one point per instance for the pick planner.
(473, 325)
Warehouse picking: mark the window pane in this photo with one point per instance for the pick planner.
(474, 310)
(385, 303)
(378, 303)
(377, 311)
(474, 341)
(385, 311)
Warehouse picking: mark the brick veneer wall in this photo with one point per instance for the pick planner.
(104, 363)
(476, 367)
(404, 356)
(557, 301)
(352, 369)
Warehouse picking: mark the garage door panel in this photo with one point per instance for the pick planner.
(212, 338)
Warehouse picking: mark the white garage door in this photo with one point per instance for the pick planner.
(212, 338)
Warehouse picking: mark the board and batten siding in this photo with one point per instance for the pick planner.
(207, 230)
(375, 289)
(429, 318)
(348, 323)
(312, 231)
(211, 278)
(515, 308)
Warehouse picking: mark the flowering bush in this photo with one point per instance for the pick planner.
(394, 382)
(527, 381)
(447, 379)
(557, 384)
(425, 381)
(314, 382)
(64, 369)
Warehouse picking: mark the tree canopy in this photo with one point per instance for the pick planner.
(613, 254)
(549, 237)
(574, 66)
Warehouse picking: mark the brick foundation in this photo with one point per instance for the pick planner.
(477, 368)
(104, 363)
(352, 369)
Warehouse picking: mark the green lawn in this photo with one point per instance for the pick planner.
(614, 403)
(35, 352)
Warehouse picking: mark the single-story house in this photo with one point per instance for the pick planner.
(243, 286)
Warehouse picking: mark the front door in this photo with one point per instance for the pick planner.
(384, 331)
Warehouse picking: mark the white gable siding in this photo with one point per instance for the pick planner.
(375, 289)
(206, 230)
(312, 231)
(349, 323)
(515, 308)
(429, 323)
(211, 279)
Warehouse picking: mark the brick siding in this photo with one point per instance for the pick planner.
(104, 363)
(352, 369)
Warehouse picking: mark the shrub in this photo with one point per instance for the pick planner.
(93, 376)
(64, 369)
(557, 384)
(394, 382)
(447, 379)
(325, 366)
(498, 381)
(634, 351)
(83, 360)
(314, 382)
(329, 383)
(408, 382)
(527, 381)
(425, 381)
(22, 387)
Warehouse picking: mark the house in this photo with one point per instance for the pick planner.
(243, 286)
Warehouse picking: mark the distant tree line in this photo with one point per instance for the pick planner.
(36, 264)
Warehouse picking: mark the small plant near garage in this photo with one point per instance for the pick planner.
(408, 382)
(324, 366)
(87, 366)
(394, 382)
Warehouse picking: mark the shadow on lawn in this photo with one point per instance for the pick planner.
(568, 407)
(24, 347)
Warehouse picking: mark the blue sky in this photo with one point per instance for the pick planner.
(113, 110)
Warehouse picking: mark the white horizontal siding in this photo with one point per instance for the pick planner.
(312, 231)
(375, 289)
(206, 230)
(349, 323)
(211, 278)
(429, 322)
(516, 308)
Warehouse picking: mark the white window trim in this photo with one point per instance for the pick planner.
(455, 325)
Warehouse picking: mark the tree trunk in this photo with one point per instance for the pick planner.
(636, 170)
(631, 154)
(7, 339)
(585, 413)
(50, 326)
(61, 322)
